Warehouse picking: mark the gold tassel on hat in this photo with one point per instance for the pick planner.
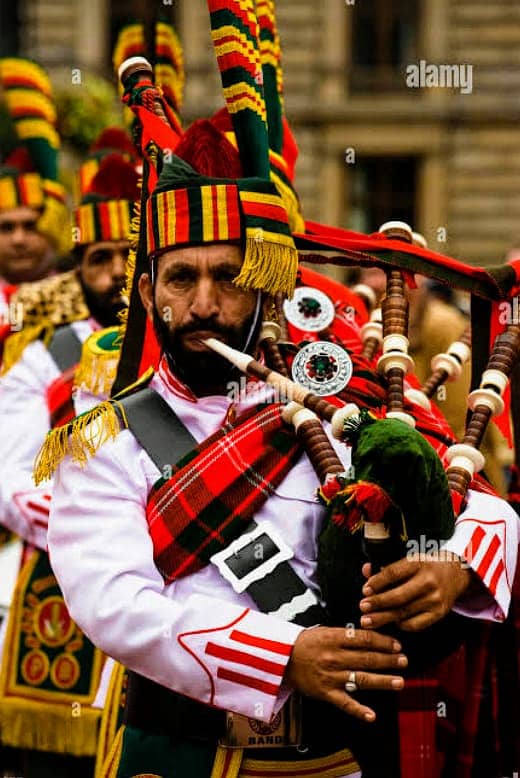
(270, 266)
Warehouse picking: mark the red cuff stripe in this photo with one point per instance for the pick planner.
(488, 557)
(499, 569)
(474, 544)
(247, 680)
(269, 645)
(242, 658)
(38, 508)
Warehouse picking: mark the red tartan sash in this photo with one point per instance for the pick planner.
(217, 488)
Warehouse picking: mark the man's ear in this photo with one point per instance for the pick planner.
(146, 293)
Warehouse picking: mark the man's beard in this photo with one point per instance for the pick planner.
(101, 304)
(202, 369)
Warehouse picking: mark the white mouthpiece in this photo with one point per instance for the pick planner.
(236, 358)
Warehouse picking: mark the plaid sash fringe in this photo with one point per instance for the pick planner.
(217, 488)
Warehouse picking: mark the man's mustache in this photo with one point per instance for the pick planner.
(205, 324)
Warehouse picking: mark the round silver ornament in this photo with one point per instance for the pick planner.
(310, 309)
(324, 368)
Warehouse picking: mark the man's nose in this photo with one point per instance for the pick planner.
(204, 301)
(19, 235)
(118, 265)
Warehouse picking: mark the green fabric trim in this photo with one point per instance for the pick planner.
(109, 341)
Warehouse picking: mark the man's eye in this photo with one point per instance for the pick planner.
(6, 228)
(181, 277)
(30, 227)
(226, 277)
(99, 258)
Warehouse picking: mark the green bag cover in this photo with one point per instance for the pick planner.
(397, 458)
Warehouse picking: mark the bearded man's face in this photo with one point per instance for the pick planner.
(194, 298)
(102, 272)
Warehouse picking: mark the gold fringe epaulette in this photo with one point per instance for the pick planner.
(16, 343)
(79, 439)
(97, 369)
(58, 299)
(82, 437)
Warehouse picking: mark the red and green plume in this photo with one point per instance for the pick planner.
(29, 173)
(108, 183)
(111, 140)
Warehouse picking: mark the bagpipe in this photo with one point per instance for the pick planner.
(397, 489)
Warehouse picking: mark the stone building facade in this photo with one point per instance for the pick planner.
(372, 147)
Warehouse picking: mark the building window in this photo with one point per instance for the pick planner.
(383, 42)
(9, 28)
(380, 189)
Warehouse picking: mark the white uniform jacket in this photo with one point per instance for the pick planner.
(196, 635)
(24, 423)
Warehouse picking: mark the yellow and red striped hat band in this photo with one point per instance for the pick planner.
(201, 214)
(106, 220)
(23, 189)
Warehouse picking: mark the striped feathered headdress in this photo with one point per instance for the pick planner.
(29, 169)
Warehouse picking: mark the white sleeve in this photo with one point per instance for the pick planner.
(486, 536)
(202, 645)
(24, 423)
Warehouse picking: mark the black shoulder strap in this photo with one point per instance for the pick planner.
(280, 591)
(65, 348)
(156, 427)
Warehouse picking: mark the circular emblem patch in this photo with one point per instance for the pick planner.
(310, 309)
(52, 622)
(65, 671)
(35, 667)
(263, 728)
(324, 368)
